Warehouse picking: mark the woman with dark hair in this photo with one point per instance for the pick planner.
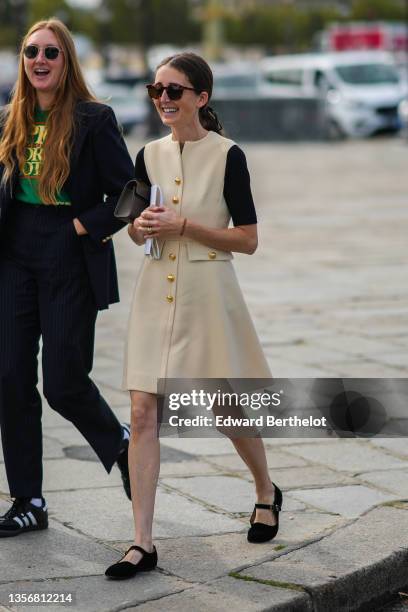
(195, 321)
(63, 163)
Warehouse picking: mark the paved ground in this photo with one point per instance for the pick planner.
(328, 293)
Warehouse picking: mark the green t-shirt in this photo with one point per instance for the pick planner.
(27, 188)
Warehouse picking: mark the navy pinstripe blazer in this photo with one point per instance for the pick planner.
(100, 167)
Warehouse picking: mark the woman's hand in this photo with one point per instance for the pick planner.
(135, 233)
(163, 222)
(79, 228)
(159, 222)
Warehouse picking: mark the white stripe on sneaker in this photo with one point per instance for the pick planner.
(32, 518)
(25, 519)
(18, 520)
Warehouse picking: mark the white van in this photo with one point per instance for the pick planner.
(361, 89)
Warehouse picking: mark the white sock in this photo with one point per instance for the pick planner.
(36, 501)
(125, 430)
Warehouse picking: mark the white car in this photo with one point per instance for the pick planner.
(8, 74)
(238, 81)
(403, 114)
(361, 90)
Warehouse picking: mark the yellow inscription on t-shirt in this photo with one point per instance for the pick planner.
(34, 155)
(39, 135)
(34, 152)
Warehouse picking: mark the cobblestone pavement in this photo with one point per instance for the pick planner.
(328, 293)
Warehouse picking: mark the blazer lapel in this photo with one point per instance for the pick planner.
(81, 130)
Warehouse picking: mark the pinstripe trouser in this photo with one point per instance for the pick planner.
(45, 293)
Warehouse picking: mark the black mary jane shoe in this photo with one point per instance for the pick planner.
(126, 569)
(260, 532)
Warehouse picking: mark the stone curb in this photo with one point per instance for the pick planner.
(336, 579)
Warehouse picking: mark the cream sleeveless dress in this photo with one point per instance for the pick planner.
(188, 318)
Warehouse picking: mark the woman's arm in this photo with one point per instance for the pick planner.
(113, 168)
(242, 238)
(165, 223)
(134, 231)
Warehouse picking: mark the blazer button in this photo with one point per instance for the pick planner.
(169, 298)
(172, 256)
(177, 180)
(212, 255)
(171, 278)
(175, 200)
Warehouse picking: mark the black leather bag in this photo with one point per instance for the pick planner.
(133, 200)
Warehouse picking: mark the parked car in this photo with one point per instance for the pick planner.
(239, 80)
(5, 93)
(130, 104)
(403, 114)
(8, 75)
(361, 90)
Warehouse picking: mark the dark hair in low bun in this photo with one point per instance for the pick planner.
(209, 119)
(200, 76)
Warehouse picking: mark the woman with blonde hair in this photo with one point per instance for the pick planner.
(63, 163)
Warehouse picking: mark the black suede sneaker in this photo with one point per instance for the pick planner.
(23, 516)
(123, 464)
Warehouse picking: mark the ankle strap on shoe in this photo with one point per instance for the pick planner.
(274, 507)
(140, 549)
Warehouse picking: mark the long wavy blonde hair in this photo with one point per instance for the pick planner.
(19, 116)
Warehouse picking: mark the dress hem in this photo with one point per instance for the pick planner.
(140, 382)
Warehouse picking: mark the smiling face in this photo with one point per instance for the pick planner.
(181, 113)
(44, 74)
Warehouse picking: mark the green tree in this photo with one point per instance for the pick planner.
(279, 28)
(43, 9)
(319, 18)
(153, 21)
(13, 17)
(77, 19)
(17, 15)
(378, 10)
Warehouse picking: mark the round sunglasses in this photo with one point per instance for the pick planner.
(50, 52)
(174, 91)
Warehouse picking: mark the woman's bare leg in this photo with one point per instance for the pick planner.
(252, 452)
(144, 467)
